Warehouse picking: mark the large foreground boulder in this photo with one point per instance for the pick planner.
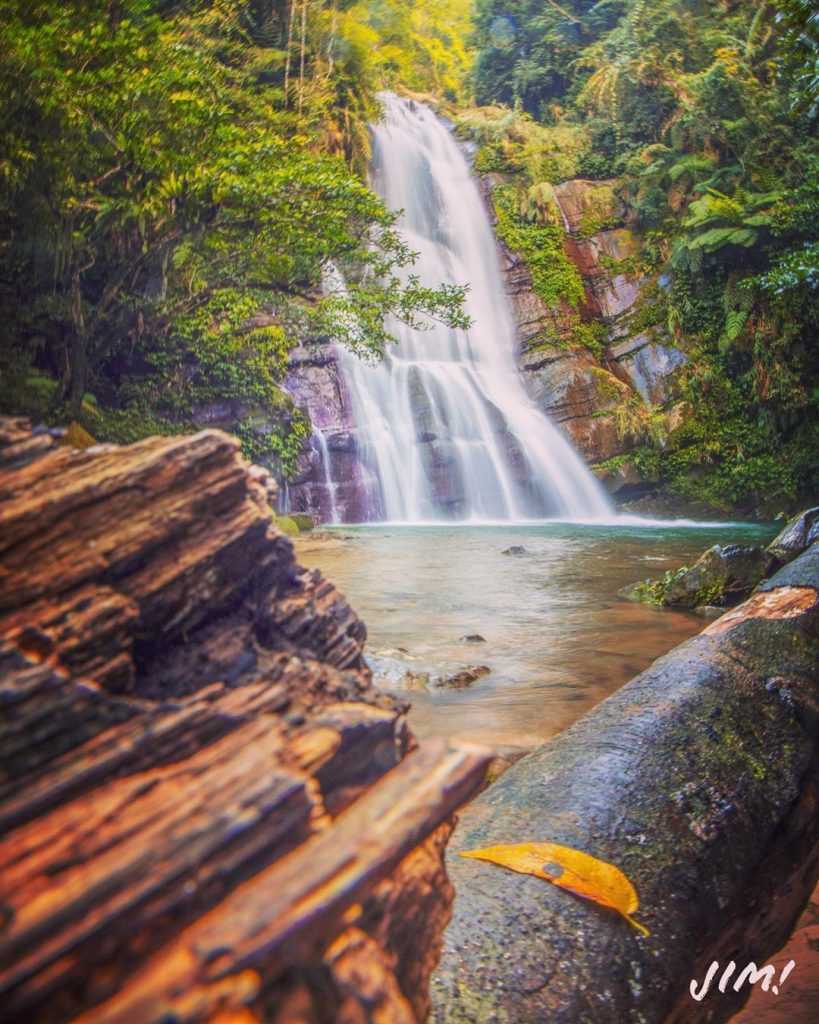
(700, 780)
(207, 811)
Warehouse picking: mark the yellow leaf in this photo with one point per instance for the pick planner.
(571, 869)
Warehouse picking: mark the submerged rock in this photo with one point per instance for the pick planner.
(464, 678)
(473, 638)
(416, 682)
(516, 549)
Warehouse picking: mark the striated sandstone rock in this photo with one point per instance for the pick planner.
(579, 396)
(208, 812)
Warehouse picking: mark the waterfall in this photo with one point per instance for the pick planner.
(326, 467)
(444, 425)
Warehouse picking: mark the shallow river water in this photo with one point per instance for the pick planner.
(559, 638)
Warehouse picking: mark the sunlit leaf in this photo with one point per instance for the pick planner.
(574, 870)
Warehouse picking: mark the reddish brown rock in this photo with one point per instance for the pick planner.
(579, 396)
(208, 812)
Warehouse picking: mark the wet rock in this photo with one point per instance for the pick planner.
(699, 784)
(623, 479)
(721, 577)
(516, 549)
(443, 470)
(317, 386)
(799, 534)
(648, 366)
(473, 638)
(580, 397)
(464, 678)
(418, 682)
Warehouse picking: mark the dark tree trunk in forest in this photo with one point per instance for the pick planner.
(78, 350)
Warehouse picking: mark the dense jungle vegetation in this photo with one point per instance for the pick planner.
(703, 115)
(176, 177)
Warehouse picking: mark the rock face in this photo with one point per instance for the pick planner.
(699, 780)
(191, 754)
(578, 390)
(578, 395)
(328, 479)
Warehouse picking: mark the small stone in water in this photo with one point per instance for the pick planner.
(473, 638)
(516, 549)
(466, 677)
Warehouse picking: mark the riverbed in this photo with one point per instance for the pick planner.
(557, 636)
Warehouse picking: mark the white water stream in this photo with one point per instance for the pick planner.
(445, 428)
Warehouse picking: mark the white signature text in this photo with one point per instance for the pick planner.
(750, 975)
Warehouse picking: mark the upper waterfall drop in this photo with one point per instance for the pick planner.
(445, 428)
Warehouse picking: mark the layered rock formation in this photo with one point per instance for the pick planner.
(208, 811)
(327, 484)
(579, 390)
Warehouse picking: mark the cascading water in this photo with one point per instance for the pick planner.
(445, 428)
(326, 467)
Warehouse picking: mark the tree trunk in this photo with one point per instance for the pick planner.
(287, 55)
(78, 350)
(302, 49)
(331, 45)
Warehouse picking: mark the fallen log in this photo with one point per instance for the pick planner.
(207, 811)
(700, 780)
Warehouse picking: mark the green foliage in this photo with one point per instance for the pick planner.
(554, 277)
(654, 591)
(514, 143)
(419, 45)
(171, 182)
(798, 23)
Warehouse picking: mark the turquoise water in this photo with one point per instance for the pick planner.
(558, 636)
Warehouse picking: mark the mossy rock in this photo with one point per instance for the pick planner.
(288, 525)
(721, 577)
(304, 522)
